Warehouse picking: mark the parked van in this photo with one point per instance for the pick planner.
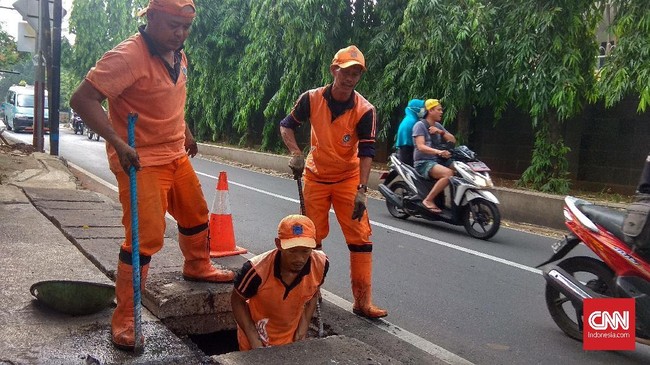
(18, 109)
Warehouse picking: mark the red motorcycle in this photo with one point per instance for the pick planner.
(621, 241)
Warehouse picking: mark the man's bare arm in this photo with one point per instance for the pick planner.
(86, 101)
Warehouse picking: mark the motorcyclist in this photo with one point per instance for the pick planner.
(403, 139)
(430, 157)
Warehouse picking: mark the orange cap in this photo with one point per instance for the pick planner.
(296, 230)
(172, 7)
(349, 56)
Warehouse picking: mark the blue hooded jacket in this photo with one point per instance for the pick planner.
(404, 135)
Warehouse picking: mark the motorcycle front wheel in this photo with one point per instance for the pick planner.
(594, 274)
(482, 219)
(400, 189)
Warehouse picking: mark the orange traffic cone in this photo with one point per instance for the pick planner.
(222, 234)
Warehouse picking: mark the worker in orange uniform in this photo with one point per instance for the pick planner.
(147, 74)
(276, 292)
(343, 127)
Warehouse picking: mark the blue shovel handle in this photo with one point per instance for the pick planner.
(135, 239)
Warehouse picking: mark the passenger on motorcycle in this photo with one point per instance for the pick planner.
(430, 157)
(404, 140)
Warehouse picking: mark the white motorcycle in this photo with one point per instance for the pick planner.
(463, 202)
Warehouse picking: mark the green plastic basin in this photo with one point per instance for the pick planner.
(74, 297)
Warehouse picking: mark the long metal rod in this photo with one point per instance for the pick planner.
(319, 317)
(135, 241)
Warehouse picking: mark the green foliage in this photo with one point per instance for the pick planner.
(627, 71)
(548, 171)
(449, 46)
(9, 55)
(250, 60)
(215, 50)
(547, 68)
(98, 25)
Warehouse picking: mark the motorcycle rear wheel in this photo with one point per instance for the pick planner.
(482, 219)
(558, 305)
(400, 189)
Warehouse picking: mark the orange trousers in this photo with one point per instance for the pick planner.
(172, 188)
(319, 198)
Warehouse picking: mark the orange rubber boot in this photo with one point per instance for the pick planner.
(361, 275)
(197, 266)
(122, 324)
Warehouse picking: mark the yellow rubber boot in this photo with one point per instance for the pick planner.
(197, 265)
(122, 323)
(361, 275)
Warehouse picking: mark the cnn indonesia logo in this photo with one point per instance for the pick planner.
(609, 324)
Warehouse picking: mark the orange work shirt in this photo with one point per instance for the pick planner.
(135, 79)
(276, 308)
(335, 141)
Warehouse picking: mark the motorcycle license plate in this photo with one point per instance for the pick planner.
(478, 166)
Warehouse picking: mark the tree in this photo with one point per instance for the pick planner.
(14, 61)
(384, 83)
(215, 51)
(99, 25)
(450, 45)
(548, 51)
(9, 55)
(627, 71)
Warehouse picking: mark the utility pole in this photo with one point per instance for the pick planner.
(39, 82)
(55, 90)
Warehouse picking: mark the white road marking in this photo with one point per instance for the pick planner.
(402, 231)
(415, 340)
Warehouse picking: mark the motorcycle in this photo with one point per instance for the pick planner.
(622, 269)
(463, 202)
(77, 124)
(91, 134)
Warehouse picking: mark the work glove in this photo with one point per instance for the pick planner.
(297, 165)
(359, 205)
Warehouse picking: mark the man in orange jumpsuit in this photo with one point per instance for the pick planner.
(147, 74)
(343, 127)
(276, 292)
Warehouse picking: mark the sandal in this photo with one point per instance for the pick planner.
(433, 209)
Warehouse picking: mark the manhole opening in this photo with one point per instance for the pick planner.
(223, 342)
(216, 343)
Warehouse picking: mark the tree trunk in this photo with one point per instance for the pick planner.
(462, 119)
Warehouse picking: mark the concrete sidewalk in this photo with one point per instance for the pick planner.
(53, 230)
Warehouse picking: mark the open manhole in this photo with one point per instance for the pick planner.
(223, 342)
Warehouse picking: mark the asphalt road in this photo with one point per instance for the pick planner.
(481, 300)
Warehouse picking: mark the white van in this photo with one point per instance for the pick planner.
(18, 109)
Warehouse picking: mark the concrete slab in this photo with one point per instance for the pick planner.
(37, 194)
(35, 250)
(68, 205)
(50, 171)
(104, 218)
(177, 298)
(328, 350)
(10, 194)
(92, 232)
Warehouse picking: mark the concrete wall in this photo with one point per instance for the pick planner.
(608, 146)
